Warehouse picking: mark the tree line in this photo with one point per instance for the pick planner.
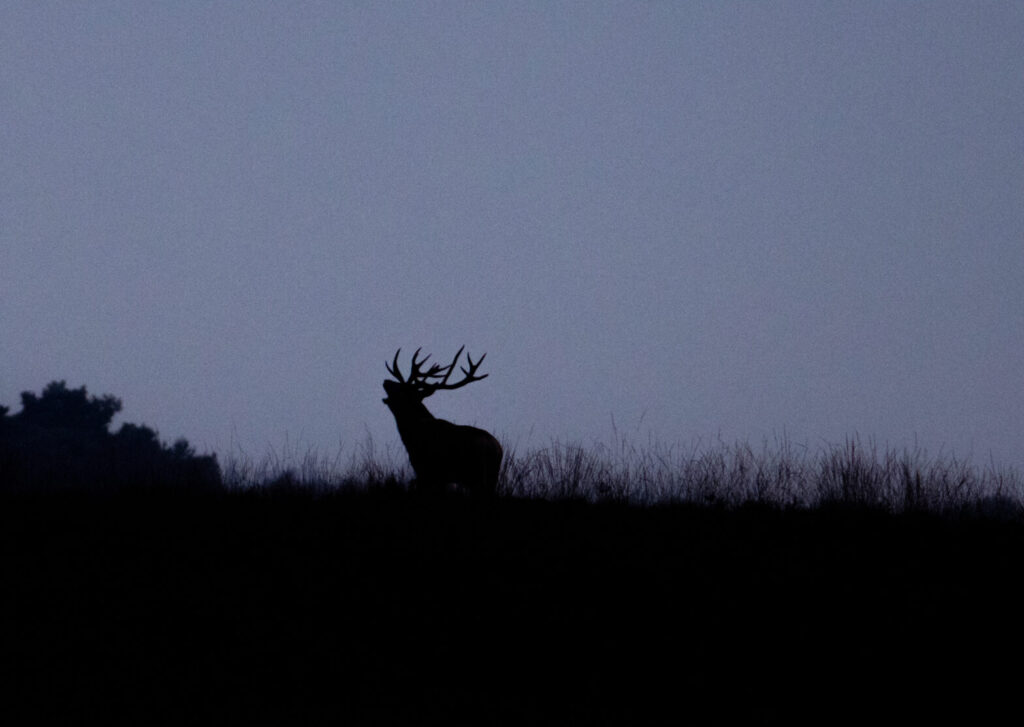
(61, 440)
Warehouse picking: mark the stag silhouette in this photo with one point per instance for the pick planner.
(441, 453)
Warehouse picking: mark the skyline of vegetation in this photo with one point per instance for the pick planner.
(61, 440)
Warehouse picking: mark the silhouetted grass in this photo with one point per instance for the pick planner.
(364, 467)
(782, 475)
(787, 476)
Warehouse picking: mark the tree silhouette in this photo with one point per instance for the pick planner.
(62, 408)
(61, 440)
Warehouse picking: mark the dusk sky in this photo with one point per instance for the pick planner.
(681, 221)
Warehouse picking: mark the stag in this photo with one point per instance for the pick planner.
(441, 453)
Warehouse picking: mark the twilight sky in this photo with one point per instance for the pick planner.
(692, 220)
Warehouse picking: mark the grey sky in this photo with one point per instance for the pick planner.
(744, 219)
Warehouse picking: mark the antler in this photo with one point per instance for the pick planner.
(422, 379)
(468, 372)
(415, 375)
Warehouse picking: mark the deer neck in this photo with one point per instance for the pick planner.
(412, 420)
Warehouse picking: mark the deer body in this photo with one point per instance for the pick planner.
(441, 453)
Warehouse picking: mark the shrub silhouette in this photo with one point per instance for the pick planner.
(62, 408)
(61, 440)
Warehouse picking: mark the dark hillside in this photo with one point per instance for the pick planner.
(381, 608)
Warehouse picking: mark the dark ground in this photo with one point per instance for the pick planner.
(384, 609)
